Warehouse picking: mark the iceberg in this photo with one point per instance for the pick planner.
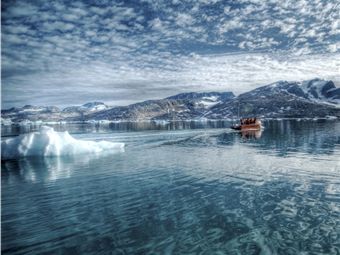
(6, 122)
(49, 143)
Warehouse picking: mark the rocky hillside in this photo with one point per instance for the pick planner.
(50, 113)
(182, 106)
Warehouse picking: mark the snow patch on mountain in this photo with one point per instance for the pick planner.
(321, 90)
(316, 90)
(94, 106)
(88, 107)
(209, 102)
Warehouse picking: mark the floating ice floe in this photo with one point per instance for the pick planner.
(6, 122)
(161, 122)
(49, 143)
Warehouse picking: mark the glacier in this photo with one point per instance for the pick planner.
(48, 143)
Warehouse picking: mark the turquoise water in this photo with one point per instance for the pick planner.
(184, 188)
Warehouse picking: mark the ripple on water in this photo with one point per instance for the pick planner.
(201, 192)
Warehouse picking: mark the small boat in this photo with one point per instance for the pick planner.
(248, 124)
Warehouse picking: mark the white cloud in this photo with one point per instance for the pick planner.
(70, 17)
(230, 25)
(335, 27)
(184, 19)
(12, 39)
(237, 73)
(78, 11)
(110, 45)
(22, 9)
(97, 10)
(21, 29)
(156, 23)
(57, 25)
(334, 48)
(208, 2)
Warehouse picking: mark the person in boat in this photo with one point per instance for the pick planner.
(248, 121)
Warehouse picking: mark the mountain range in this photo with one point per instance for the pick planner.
(283, 99)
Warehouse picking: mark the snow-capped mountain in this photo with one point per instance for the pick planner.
(204, 100)
(31, 109)
(88, 107)
(29, 112)
(50, 113)
(313, 98)
(321, 90)
(220, 96)
(181, 106)
(314, 90)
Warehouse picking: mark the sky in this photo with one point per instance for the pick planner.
(119, 52)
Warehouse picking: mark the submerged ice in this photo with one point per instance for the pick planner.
(48, 142)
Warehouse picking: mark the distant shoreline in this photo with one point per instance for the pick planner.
(156, 121)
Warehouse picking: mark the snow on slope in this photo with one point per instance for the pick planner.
(88, 107)
(209, 102)
(318, 89)
(94, 106)
(49, 143)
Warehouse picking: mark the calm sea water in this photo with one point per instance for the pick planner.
(179, 188)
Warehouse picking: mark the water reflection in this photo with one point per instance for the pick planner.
(284, 137)
(41, 169)
(48, 169)
(287, 138)
(173, 199)
(118, 126)
(251, 134)
(210, 191)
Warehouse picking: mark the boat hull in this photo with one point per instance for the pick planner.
(247, 127)
(251, 127)
(236, 127)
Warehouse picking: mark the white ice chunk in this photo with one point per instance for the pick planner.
(6, 122)
(161, 122)
(49, 143)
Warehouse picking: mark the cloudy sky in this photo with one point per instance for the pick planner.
(119, 52)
